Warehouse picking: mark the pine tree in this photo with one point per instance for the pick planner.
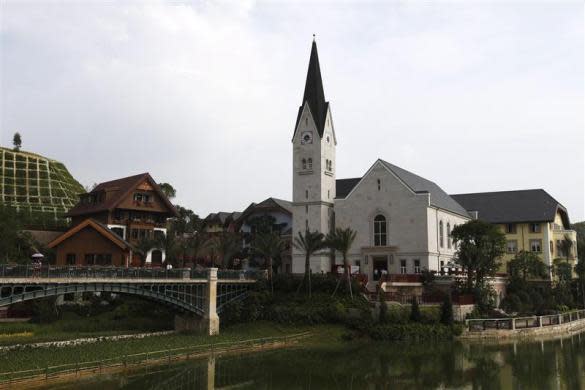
(17, 141)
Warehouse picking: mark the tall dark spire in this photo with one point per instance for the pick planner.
(314, 94)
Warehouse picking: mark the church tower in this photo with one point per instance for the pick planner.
(313, 166)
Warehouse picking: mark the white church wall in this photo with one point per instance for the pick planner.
(446, 252)
(404, 210)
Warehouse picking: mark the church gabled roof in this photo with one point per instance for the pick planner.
(314, 94)
(417, 184)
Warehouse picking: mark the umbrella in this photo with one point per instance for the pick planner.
(38, 256)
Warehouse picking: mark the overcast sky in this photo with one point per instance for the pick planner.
(475, 96)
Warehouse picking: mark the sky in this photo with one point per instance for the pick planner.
(475, 96)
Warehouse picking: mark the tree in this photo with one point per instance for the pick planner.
(580, 271)
(309, 243)
(144, 245)
(168, 190)
(226, 245)
(479, 246)
(414, 310)
(198, 244)
(17, 141)
(527, 265)
(15, 245)
(566, 246)
(186, 223)
(270, 246)
(341, 240)
(447, 310)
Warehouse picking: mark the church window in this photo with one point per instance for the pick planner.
(310, 163)
(328, 194)
(307, 209)
(306, 121)
(441, 242)
(306, 194)
(449, 235)
(306, 224)
(304, 162)
(380, 230)
(379, 184)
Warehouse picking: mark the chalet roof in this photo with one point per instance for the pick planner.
(97, 226)
(314, 94)
(267, 204)
(513, 206)
(121, 188)
(221, 217)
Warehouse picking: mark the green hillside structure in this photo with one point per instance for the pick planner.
(39, 188)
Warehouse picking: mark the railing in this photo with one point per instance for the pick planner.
(401, 278)
(101, 272)
(152, 357)
(513, 323)
(241, 274)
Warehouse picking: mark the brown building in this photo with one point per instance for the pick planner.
(112, 221)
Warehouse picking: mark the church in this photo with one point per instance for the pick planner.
(403, 221)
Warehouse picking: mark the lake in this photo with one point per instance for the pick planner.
(552, 364)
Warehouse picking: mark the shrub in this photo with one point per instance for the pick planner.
(383, 316)
(447, 311)
(415, 311)
(410, 332)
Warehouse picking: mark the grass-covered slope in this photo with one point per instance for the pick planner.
(36, 186)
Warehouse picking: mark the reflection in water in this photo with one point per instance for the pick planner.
(557, 364)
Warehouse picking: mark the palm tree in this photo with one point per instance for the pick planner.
(226, 246)
(198, 244)
(144, 245)
(270, 246)
(341, 240)
(309, 243)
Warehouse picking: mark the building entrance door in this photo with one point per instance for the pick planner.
(380, 267)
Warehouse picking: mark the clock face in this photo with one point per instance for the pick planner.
(306, 137)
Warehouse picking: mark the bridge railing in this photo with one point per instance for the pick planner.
(17, 271)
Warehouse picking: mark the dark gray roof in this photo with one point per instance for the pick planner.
(344, 186)
(439, 198)
(513, 206)
(314, 94)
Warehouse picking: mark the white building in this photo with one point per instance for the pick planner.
(402, 220)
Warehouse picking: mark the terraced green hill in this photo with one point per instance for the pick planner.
(38, 187)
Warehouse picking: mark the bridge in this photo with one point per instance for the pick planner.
(200, 294)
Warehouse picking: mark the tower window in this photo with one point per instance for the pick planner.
(310, 163)
(441, 242)
(307, 209)
(380, 237)
(306, 194)
(304, 162)
(379, 184)
(306, 121)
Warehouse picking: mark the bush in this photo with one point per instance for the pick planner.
(411, 332)
(415, 311)
(383, 315)
(447, 311)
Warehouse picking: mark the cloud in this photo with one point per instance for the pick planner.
(204, 95)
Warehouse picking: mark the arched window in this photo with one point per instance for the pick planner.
(304, 162)
(306, 194)
(441, 242)
(448, 235)
(380, 230)
(310, 163)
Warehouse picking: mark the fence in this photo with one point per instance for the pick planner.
(106, 272)
(144, 358)
(513, 323)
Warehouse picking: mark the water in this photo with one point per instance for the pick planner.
(553, 364)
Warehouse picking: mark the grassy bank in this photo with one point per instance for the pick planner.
(27, 358)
